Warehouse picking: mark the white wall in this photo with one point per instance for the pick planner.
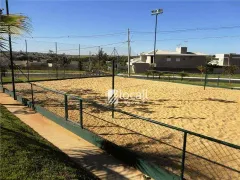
(143, 58)
(220, 58)
(148, 59)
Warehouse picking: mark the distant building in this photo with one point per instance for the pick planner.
(22, 64)
(227, 59)
(179, 60)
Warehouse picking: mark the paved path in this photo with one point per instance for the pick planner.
(89, 156)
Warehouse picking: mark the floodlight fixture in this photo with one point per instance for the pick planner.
(157, 11)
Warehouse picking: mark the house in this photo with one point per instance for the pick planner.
(138, 66)
(22, 64)
(73, 65)
(179, 60)
(223, 60)
(227, 59)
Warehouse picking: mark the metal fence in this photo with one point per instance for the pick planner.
(207, 80)
(41, 60)
(184, 153)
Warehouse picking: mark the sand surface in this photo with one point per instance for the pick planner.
(213, 112)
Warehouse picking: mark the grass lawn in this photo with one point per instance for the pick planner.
(53, 71)
(9, 79)
(26, 155)
(214, 84)
(236, 76)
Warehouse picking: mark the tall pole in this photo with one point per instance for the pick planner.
(206, 74)
(11, 56)
(113, 74)
(99, 60)
(79, 63)
(129, 51)
(155, 39)
(89, 61)
(27, 58)
(56, 59)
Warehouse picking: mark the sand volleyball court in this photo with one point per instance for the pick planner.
(213, 112)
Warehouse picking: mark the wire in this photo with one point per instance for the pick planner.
(89, 47)
(75, 36)
(105, 45)
(186, 30)
(210, 37)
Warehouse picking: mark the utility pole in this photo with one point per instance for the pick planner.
(155, 39)
(129, 52)
(99, 60)
(89, 61)
(156, 13)
(79, 62)
(113, 76)
(56, 59)
(11, 56)
(27, 58)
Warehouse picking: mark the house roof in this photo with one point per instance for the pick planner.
(166, 52)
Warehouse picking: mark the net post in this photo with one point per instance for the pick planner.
(205, 80)
(81, 113)
(113, 74)
(66, 106)
(183, 154)
(33, 106)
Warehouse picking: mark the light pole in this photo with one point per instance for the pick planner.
(156, 13)
(11, 55)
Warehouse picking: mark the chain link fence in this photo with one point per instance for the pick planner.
(184, 153)
(207, 80)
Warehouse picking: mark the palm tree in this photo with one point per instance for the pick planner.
(14, 24)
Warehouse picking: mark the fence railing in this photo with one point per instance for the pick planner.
(211, 80)
(185, 153)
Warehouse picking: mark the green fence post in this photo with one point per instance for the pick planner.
(66, 106)
(113, 83)
(81, 113)
(218, 81)
(32, 96)
(1, 80)
(183, 154)
(205, 80)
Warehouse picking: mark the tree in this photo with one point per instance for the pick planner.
(230, 71)
(4, 63)
(64, 61)
(98, 61)
(160, 74)
(14, 24)
(202, 69)
(183, 74)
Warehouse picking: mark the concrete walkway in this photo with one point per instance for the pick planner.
(87, 155)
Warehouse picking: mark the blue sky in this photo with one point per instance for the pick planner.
(83, 18)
